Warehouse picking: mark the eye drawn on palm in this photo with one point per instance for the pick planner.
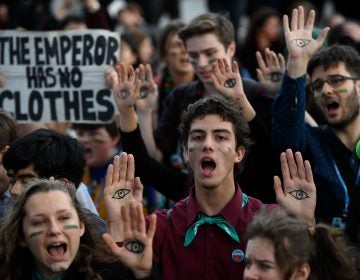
(297, 194)
(227, 81)
(147, 88)
(120, 186)
(125, 91)
(271, 70)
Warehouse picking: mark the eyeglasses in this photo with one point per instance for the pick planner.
(334, 81)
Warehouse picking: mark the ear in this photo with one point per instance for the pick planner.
(82, 228)
(239, 154)
(3, 151)
(302, 272)
(232, 49)
(185, 153)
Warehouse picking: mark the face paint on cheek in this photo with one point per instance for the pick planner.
(36, 233)
(71, 227)
(341, 90)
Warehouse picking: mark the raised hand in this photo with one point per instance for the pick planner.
(125, 88)
(271, 70)
(148, 92)
(297, 194)
(300, 43)
(136, 251)
(121, 187)
(227, 79)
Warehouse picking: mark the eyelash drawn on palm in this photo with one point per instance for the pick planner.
(121, 193)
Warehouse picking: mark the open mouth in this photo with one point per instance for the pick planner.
(332, 106)
(57, 250)
(208, 166)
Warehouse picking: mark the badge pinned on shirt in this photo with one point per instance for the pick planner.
(237, 255)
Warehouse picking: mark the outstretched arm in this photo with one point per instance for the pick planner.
(136, 251)
(297, 194)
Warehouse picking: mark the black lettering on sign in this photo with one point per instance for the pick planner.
(39, 51)
(102, 98)
(112, 51)
(88, 44)
(51, 50)
(36, 106)
(76, 50)
(18, 114)
(87, 101)
(71, 105)
(52, 96)
(100, 48)
(65, 45)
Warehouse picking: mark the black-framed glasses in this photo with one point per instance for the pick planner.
(334, 81)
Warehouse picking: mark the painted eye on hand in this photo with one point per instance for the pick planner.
(230, 83)
(301, 42)
(121, 193)
(134, 246)
(299, 194)
(275, 77)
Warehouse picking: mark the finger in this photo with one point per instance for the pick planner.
(274, 59)
(125, 221)
(149, 73)
(109, 176)
(235, 70)
(284, 167)
(221, 66)
(301, 17)
(260, 60)
(141, 226)
(308, 171)
(260, 75)
(110, 243)
(123, 166)
(226, 66)
(278, 189)
(123, 73)
(152, 227)
(292, 165)
(142, 74)
(133, 216)
(130, 169)
(131, 74)
(286, 25)
(138, 190)
(300, 165)
(116, 169)
(294, 20)
(322, 36)
(281, 61)
(310, 20)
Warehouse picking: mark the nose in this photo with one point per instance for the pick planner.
(203, 61)
(207, 144)
(250, 273)
(15, 189)
(54, 228)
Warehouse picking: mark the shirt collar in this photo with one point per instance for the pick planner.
(231, 212)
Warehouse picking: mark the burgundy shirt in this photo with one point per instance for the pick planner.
(213, 254)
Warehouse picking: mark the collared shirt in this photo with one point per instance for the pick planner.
(213, 254)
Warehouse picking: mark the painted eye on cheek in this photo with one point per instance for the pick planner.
(121, 193)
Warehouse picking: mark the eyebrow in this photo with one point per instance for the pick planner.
(218, 130)
(22, 176)
(57, 212)
(201, 51)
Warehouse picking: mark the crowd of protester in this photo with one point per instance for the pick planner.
(230, 157)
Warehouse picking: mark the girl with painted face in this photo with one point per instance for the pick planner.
(47, 235)
(286, 248)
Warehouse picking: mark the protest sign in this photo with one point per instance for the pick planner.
(57, 76)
